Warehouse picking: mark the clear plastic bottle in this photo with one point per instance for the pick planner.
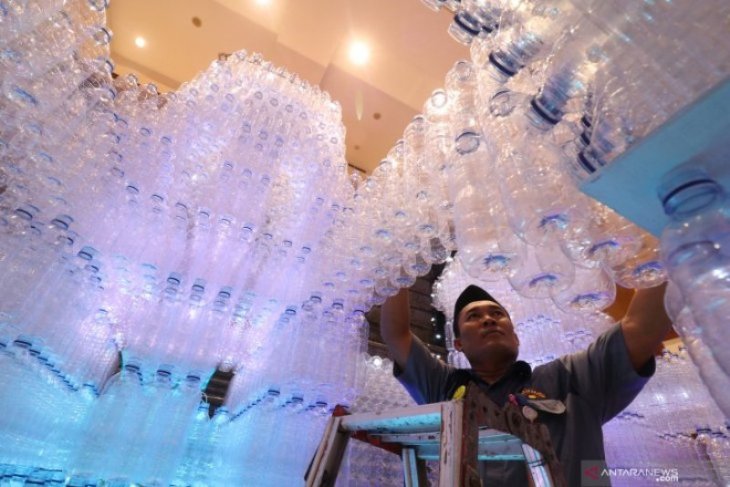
(696, 249)
(97, 450)
(192, 459)
(165, 449)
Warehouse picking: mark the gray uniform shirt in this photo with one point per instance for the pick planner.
(595, 385)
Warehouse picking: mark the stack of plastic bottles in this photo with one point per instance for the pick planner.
(648, 60)
(364, 464)
(174, 251)
(380, 391)
(152, 225)
(673, 425)
(216, 226)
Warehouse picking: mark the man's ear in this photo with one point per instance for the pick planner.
(457, 344)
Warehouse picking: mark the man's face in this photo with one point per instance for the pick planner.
(486, 333)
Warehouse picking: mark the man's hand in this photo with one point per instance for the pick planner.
(645, 325)
(395, 327)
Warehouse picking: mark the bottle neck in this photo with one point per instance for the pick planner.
(692, 197)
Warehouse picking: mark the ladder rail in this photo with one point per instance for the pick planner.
(414, 468)
(328, 457)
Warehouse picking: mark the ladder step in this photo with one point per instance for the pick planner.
(493, 444)
(415, 419)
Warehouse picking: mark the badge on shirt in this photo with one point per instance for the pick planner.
(552, 406)
(538, 400)
(531, 393)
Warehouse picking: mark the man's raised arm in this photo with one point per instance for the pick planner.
(395, 327)
(645, 325)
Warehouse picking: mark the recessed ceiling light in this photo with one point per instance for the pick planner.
(359, 53)
(140, 41)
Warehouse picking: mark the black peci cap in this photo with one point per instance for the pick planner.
(469, 295)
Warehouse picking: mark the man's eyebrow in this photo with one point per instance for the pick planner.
(487, 306)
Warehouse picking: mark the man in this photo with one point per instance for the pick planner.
(573, 396)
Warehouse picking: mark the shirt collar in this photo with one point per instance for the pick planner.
(519, 371)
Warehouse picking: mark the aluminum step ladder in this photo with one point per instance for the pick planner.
(457, 433)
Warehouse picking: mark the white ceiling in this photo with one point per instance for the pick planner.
(410, 52)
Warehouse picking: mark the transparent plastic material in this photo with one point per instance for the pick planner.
(217, 227)
(695, 249)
